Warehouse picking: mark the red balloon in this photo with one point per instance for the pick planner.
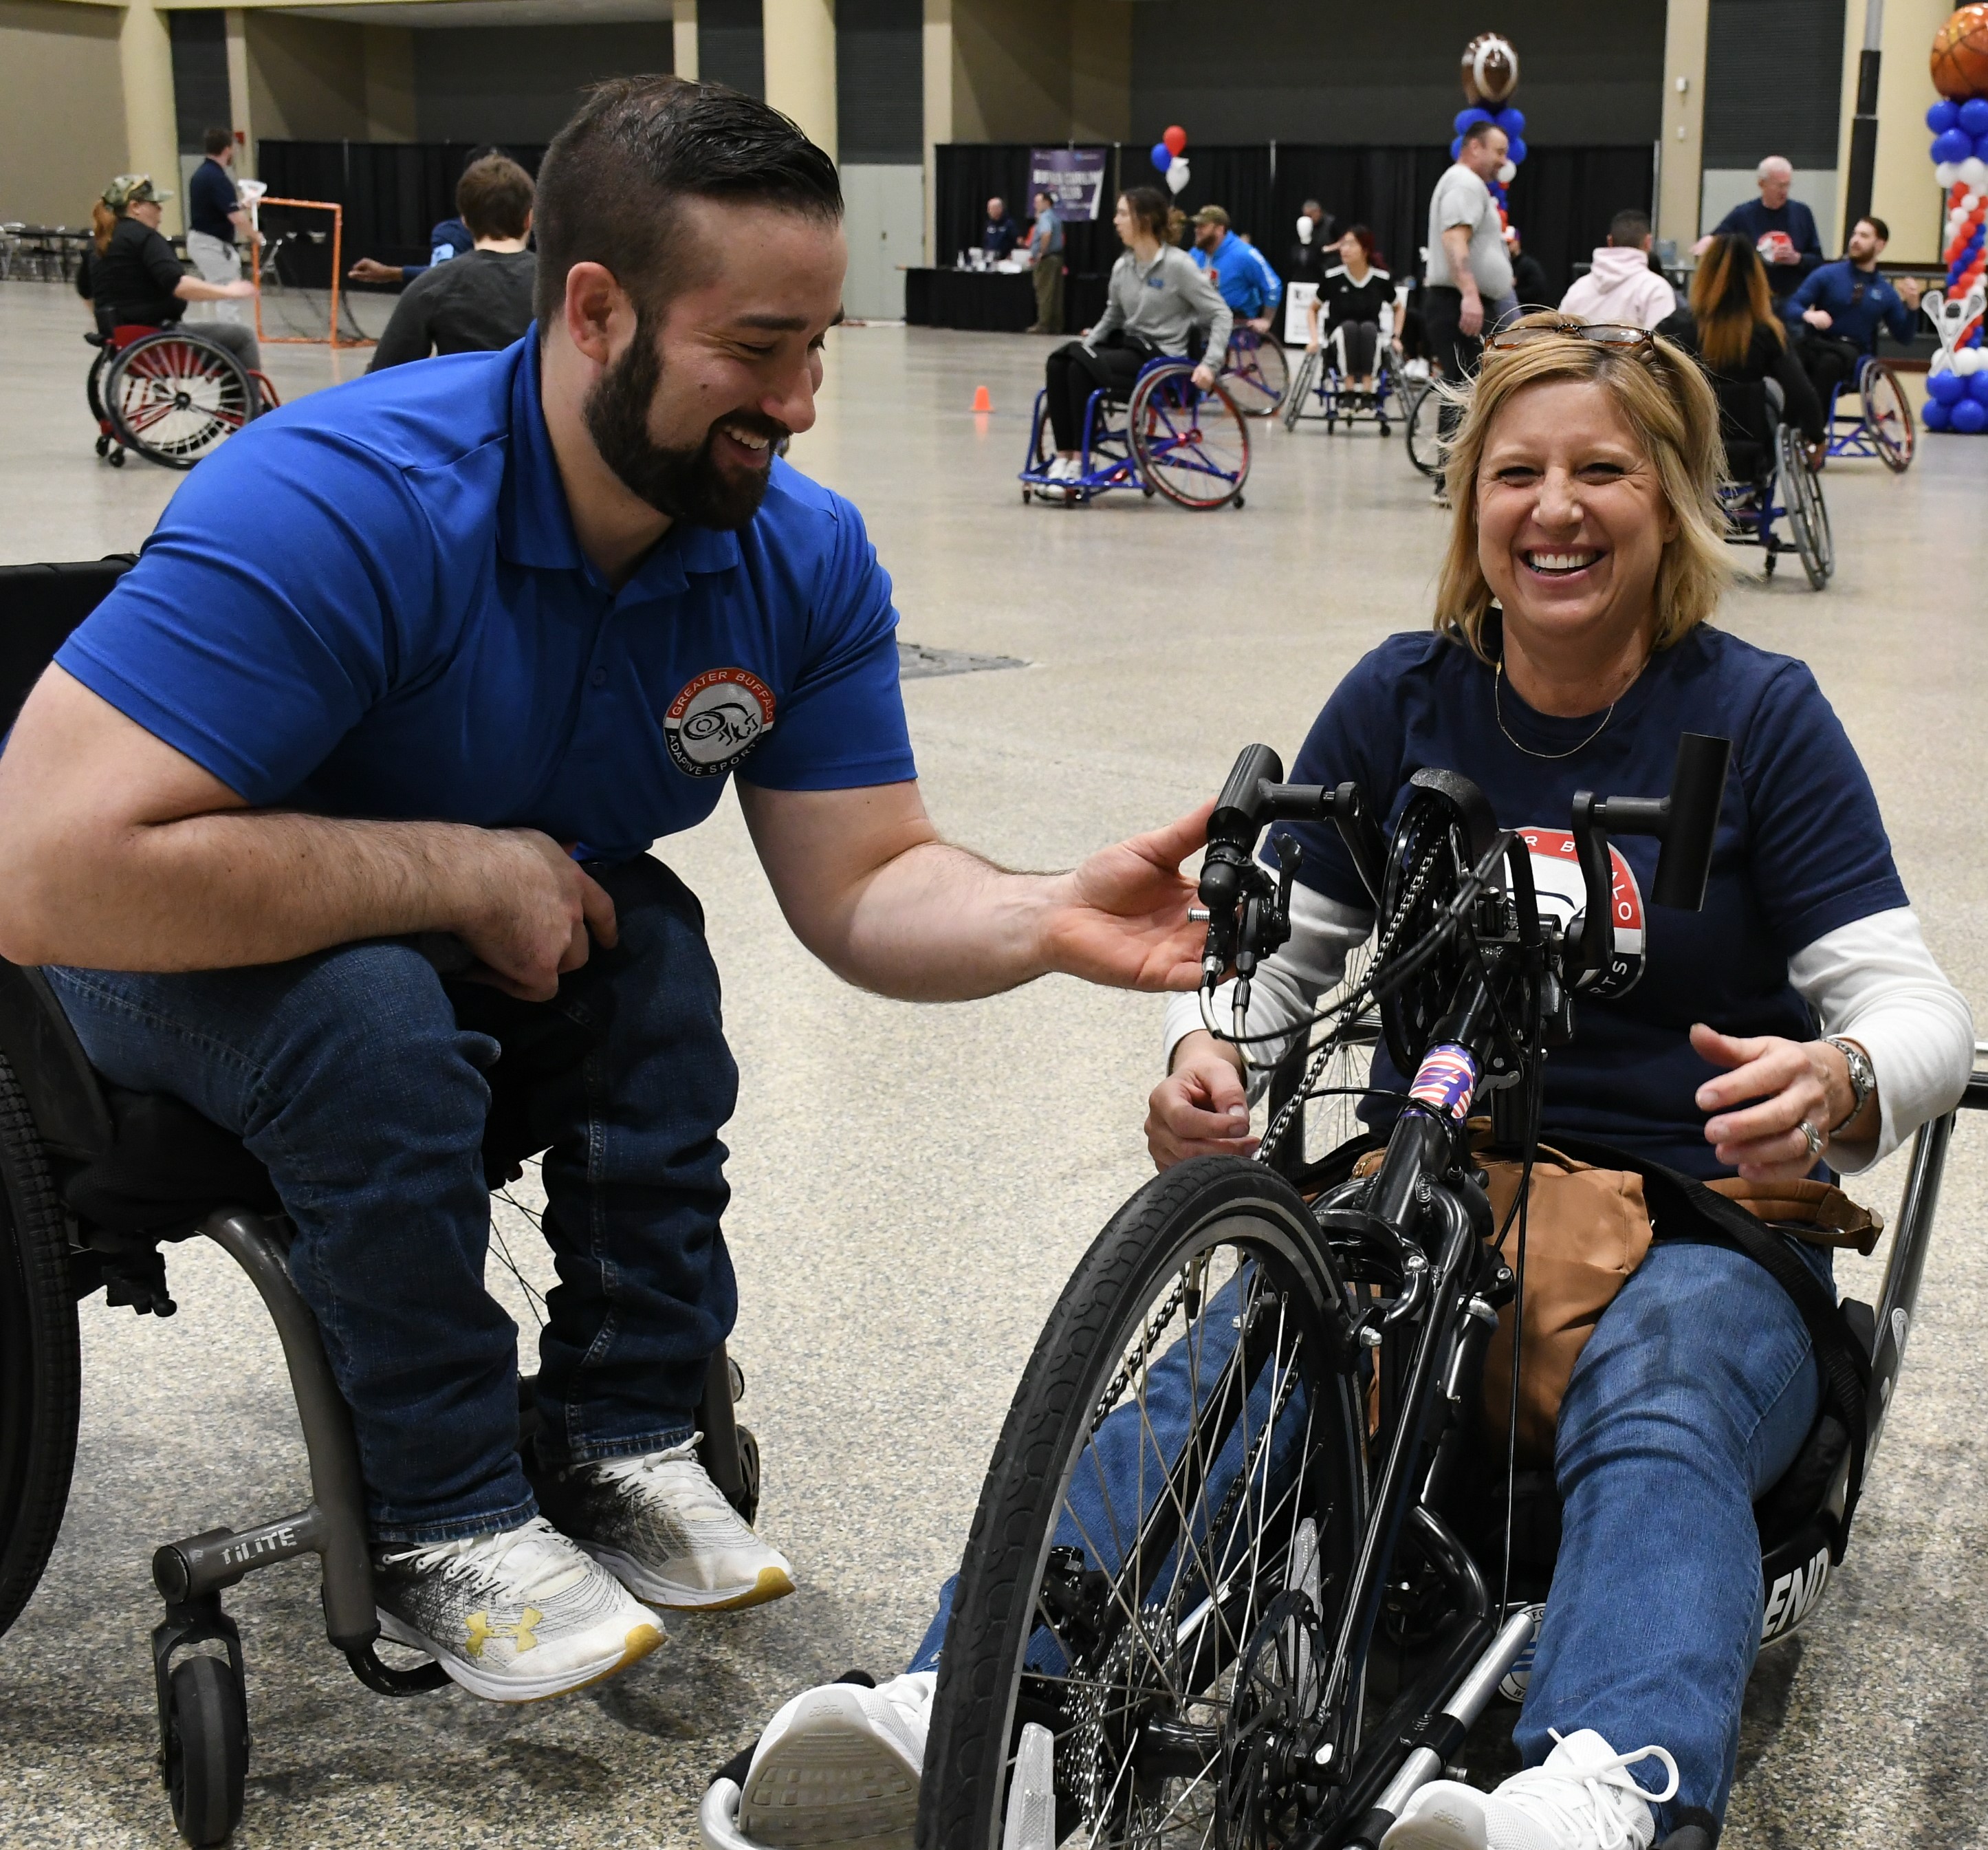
(1175, 138)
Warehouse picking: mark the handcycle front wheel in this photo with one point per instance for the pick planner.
(1173, 1508)
(1191, 445)
(1887, 415)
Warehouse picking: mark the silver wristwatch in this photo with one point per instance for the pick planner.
(1863, 1080)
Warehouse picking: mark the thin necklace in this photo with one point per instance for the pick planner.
(1498, 674)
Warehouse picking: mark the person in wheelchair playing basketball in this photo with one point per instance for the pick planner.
(132, 279)
(1571, 647)
(437, 656)
(1837, 312)
(1157, 298)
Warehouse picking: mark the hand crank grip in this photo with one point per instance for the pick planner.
(1697, 791)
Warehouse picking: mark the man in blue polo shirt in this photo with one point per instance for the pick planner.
(1839, 308)
(425, 663)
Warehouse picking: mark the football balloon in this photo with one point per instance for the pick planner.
(1491, 68)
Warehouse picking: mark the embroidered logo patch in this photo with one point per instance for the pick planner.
(719, 716)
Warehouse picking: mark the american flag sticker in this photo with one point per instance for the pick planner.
(1446, 1079)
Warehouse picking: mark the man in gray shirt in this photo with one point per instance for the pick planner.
(1467, 283)
(483, 300)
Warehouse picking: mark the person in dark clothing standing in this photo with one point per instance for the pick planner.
(214, 220)
(1528, 277)
(1001, 234)
(1781, 229)
(477, 303)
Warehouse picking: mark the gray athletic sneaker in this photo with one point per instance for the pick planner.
(663, 1529)
(513, 1617)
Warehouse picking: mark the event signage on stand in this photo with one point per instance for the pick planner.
(1073, 177)
(1957, 382)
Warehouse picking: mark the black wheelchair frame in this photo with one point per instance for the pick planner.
(1298, 1681)
(1784, 485)
(95, 1181)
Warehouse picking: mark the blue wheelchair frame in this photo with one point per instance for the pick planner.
(1791, 492)
(1109, 457)
(1854, 434)
(1321, 391)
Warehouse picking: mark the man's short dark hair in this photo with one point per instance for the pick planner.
(1883, 230)
(494, 198)
(611, 182)
(1629, 227)
(1480, 131)
(217, 140)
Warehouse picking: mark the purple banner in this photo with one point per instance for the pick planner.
(1073, 177)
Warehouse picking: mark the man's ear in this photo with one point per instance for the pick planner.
(598, 316)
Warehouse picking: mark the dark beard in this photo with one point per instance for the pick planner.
(686, 484)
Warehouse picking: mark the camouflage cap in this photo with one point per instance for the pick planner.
(133, 189)
(1210, 215)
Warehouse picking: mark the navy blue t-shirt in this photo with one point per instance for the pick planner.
(1753, 219)
(211, 197)
(371, 603)
(1800, 851)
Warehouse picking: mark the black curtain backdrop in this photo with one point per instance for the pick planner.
(971, 173)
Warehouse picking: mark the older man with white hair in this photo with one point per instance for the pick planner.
(1783, 230)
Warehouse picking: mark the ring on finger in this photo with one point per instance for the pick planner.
(1813, 1138)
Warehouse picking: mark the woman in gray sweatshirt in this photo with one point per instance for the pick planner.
(1157, 297)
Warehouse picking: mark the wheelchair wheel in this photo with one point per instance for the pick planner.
(93, 386)
(206, 1749)
(1887, 415)
(39, 1372)
(1302, 388)
(1193, 446)
(1152, 1573)
(1808, 519)
(172, 396)
(1423, 425)
(1257, 376)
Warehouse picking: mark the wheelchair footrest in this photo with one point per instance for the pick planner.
(383, 1679)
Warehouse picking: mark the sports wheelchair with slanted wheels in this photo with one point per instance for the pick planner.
(1880, 425)
(1294, 1622)
(1773, 480)
(93, 1182)
(1254, 371)
(1176, 440)
(1320, 392)
(168, 393)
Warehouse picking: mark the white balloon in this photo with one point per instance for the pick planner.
(1505, 177)
(1306, 228)
(1946, 173)
(1941, 362)
(1974, 171)
(1177, 175)
(1967, 361)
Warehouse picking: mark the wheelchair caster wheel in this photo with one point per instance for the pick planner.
(1770, 566)
(103, 446)
(1148, 492)
(1238, 501)
(1026, 498)
(206, 1749)
(116, 459)
(748, 1474)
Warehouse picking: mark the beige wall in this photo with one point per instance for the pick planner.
(306, 78)
(1011, 70)
(62, 131)
(1100, 71)
(1903, 191)
(388, 53)
(1682, 164)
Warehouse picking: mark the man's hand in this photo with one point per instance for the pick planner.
(370, 269)
(529, 912)
(1204, 377)
(1260, 322)
(1200, 1108)
(1818, 317)
(1910, 291)
(1120, 918)
(1471, 320)
(1787, 1082)
(239, 290)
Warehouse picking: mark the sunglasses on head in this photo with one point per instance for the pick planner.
(1613, 334)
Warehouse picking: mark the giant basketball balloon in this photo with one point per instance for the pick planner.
(1960, 54)
(1491, 67)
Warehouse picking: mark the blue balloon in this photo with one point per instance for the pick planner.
(1934, 415)
(1516, 152)
(1466, 118)
(1945, 388)
(1942, 115)
(1974, 116)
(1955, 144)
(1980, 146)
(1163, 156)
(1970, 415)
(1513, 121)
(1977, 385)
(1456, 153)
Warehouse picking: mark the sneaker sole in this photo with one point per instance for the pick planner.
(831, 1784)
(1433, 1831)
(773, 1583)
(639, 1642)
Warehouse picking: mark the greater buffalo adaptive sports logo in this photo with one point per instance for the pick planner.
(1557, 877)
(719, 716)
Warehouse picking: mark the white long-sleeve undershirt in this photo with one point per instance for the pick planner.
(1873, 981)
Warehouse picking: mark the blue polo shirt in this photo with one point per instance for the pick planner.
(1248, 284)
(371, 603)
(1858, 303)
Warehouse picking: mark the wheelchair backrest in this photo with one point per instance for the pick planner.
(39, 605)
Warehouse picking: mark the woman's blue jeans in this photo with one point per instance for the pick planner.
(364, 1083)
(1691, 1398)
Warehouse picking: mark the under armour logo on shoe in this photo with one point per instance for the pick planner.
(481, 1631)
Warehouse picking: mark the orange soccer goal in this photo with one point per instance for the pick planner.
(298, 268)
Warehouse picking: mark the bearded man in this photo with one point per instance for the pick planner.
(348, 788)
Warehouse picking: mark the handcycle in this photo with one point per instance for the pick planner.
(1880, 425)
(1327, 1568)
(94, 1180)
(1255, 373)
(1176, 440)
(167, 393)
(1773, 480)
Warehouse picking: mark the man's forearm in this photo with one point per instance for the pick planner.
(1456, 248)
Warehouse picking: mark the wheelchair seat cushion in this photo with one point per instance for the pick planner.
(166, 1169)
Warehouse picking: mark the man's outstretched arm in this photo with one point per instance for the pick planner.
(869, 888)
(118, 852)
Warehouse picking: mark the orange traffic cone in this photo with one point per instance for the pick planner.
(983, 400)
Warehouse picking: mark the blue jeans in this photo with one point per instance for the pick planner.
(1691, 1398)
(364, 1085)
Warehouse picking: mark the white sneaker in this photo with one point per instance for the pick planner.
(663, 1529)
(1582, 1798)
(839, 1764)
(513, 1617)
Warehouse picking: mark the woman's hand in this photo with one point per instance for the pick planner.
(1204, 377)
(1788, 1082)
(1200, 1108)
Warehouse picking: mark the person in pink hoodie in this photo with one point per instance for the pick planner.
(1621, 287)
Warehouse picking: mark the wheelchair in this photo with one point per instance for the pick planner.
(168, 393)
(1328, 1567)
(1321, 391)
(1175, 440)
(1772, 480)
(1879, 424)
(1254, 371)
(94, 1182)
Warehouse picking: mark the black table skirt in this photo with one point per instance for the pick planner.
(989, 300)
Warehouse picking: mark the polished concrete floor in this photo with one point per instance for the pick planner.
(913, 1186)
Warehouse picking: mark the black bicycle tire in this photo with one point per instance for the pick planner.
(1013, 1523)
(40, 1363)
(135, 440)
(1428, 403)
(1136, 443)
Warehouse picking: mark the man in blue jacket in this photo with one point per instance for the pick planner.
(1781, 229)
(1247, 282)
(1839, 308)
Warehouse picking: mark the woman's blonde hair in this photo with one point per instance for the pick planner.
(1666, 400)
(1730, 301)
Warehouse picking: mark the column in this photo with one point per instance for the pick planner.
(800, 66)
(938, 61)
(241, 117)
(151, 130)
(1681, 161)
(683, 31)
(1904, 193)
